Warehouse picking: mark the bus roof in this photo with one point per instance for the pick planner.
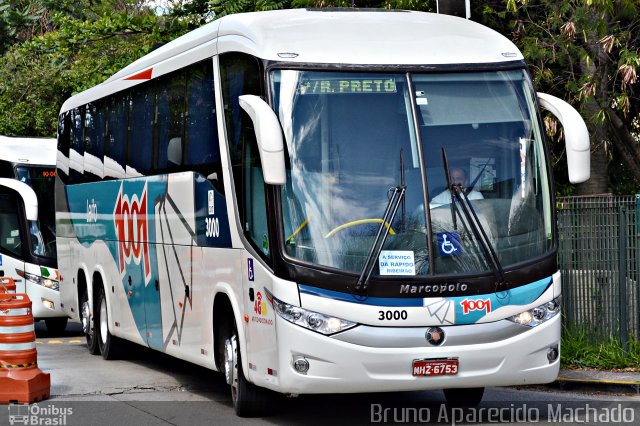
(36, 151)
(323, 36)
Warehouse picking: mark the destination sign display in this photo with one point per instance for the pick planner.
(313, 86)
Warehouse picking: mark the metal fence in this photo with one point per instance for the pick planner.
(599, 260)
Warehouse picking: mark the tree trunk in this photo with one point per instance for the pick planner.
(599, 181)
(625, 144)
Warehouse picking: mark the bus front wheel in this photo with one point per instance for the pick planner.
(469, 397)
(248, 399)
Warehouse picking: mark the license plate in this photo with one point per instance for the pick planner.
(435, 367)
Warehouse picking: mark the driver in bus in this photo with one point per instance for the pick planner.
(457, 176)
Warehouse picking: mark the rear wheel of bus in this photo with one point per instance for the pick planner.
(88, 324)
(248, 399)
(110, 346)
(469, 397)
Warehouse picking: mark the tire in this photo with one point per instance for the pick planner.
(248, 399)
(88, 324)
(110, 346)
(469, 397)
(56, 325)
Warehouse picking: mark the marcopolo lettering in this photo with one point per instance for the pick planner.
(433, 288)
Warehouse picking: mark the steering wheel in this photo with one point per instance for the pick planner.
(356, 223)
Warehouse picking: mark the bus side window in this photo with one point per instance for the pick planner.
(10, 238)
(255, 206)
(76, 150)
(171, 112)
(201, 132)
(140, 146)
(116, 137)
(241, 75)
(94, 126)
(64, 142)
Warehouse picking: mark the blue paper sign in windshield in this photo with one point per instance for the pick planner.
(449, 244)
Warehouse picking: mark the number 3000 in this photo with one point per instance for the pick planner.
(392, 315)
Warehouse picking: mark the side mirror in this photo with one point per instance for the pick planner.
(269, 138)
(27, 194)
(576, 136)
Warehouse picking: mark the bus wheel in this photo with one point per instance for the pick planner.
(109, 345)
(469, 397)
(248, 399)
(88, 324)
(56, 325)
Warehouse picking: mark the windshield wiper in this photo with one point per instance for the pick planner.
(456, 190)
(381, 237)
(395, 201)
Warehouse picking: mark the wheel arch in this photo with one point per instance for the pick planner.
(225, 308)
(81, 286)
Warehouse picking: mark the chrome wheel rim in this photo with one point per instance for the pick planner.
(103, 321)
(231, 365)
(86, 318)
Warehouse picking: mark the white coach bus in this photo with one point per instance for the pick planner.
(255, 197)
(27, 224)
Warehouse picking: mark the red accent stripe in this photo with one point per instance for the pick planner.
(144, 75)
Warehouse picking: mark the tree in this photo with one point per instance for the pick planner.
(37, 76)
(586, 52)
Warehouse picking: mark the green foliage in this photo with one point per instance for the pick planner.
(579, 349)
(16, 18)
(586, 52)
(37, 76)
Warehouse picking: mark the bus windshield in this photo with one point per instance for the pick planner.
(351, 138)
(42, 237)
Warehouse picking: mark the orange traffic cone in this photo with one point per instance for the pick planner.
(7, 285)
(21, 381)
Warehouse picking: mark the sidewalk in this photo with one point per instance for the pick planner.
(625, 381)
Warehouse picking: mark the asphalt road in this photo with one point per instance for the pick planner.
(148, 388)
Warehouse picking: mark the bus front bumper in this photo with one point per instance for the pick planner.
(45, 302)
(336, 366)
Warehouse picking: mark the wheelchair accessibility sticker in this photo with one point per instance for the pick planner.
(449, 244)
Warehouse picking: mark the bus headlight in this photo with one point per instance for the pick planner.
(538, 315)
(309, 319)
(37, 279)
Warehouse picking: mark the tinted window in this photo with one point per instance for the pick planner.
(76, 151)
(10, 231)
(116, 137)
(141, 134)
(171, 113)
(201, 129)
(64, 141)
(241, 75)
(94, 140)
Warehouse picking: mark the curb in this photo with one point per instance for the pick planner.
(611, 385)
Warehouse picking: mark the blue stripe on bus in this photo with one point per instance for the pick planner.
(352, 298)
(522, 295)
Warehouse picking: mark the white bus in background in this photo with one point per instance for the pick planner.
(253, 197)
(27, 224)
